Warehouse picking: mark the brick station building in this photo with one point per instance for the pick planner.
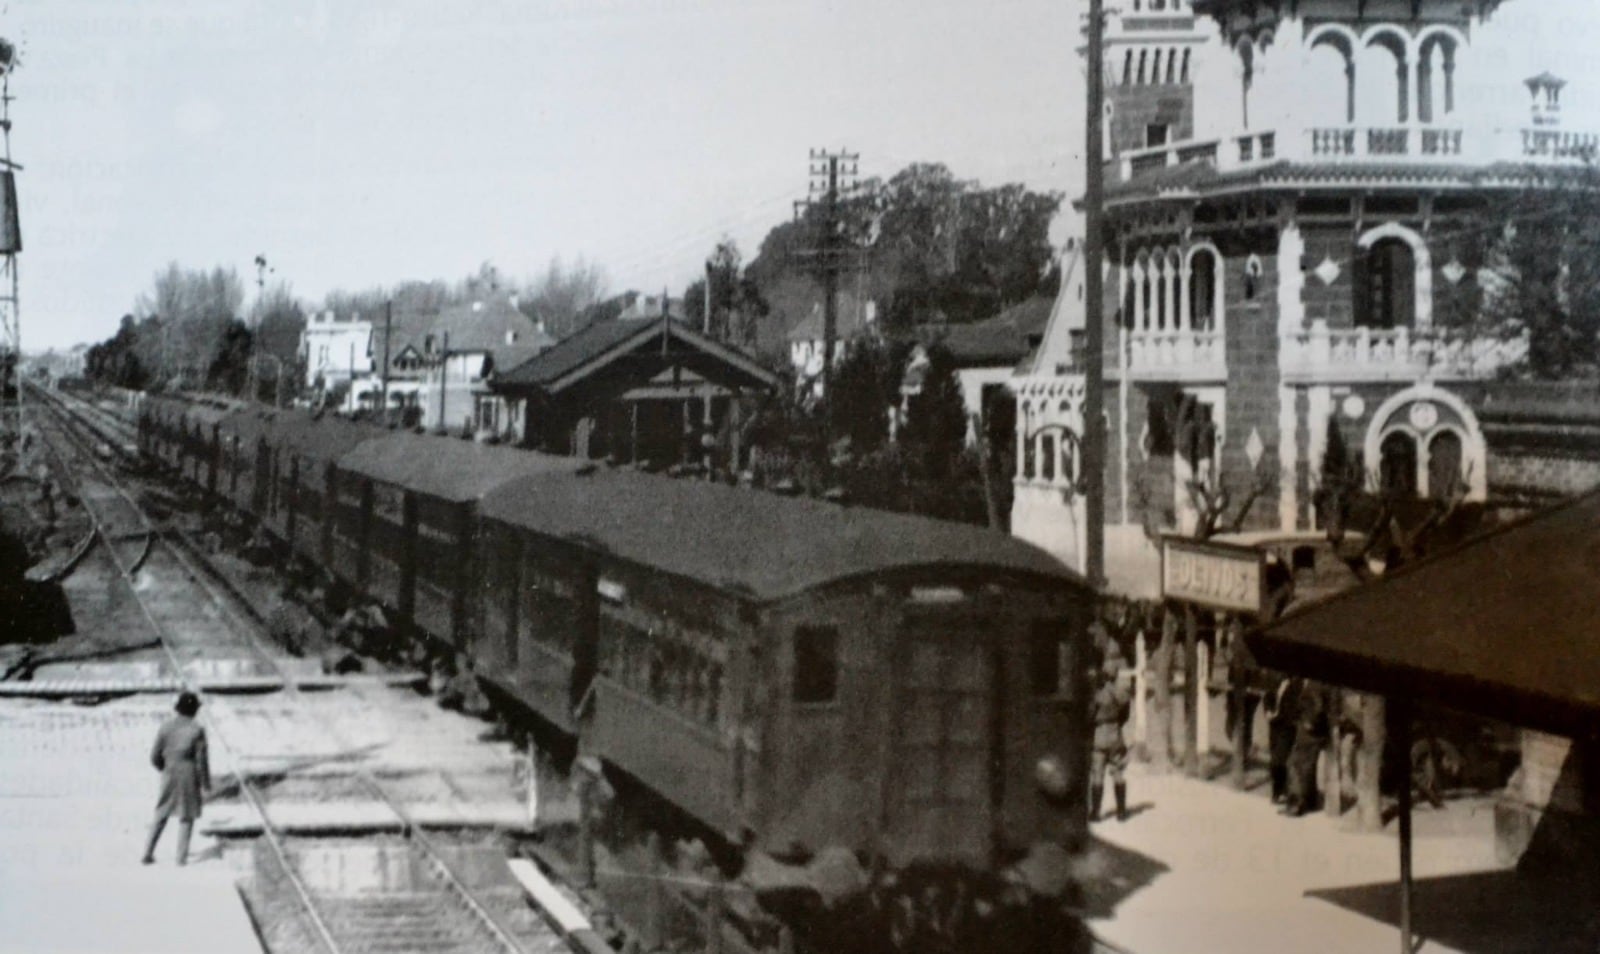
(1294, 246)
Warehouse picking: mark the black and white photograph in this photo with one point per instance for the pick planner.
(799, 477)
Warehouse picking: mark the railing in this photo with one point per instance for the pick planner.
(1176, 355)
(1324, 354)
(1555, 144)
(1416, 143)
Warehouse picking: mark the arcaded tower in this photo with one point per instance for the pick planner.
(1295, 244)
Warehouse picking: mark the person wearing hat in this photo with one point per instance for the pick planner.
(1112, 699)
(180, 756)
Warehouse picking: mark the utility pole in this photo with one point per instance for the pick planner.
(10, 246)
(707, 307)
(832, 173)
(252, 380)
(444, 372)
(383, 378)
(1094, 431)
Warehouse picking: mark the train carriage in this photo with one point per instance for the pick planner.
(307, 448)
(418, 539)
(199, 463)
(245, 441)
(797, 674)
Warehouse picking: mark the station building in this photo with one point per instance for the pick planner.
(1294, 247)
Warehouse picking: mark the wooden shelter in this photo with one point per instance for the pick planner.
(643, 391)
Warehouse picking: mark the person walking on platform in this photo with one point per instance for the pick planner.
(1311, 735)
(1112, 701)
(180, 756)
(1282, 706)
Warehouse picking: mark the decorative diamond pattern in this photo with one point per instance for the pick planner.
(1254, 448)
(1328, 271)
(1453, 271)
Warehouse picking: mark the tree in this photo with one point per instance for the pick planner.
(866, 388)
(736, 301)
(193, 309)
(560, 296)
(935, 433)
(1535, 253)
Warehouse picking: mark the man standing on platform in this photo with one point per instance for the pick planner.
(1311, 736)
(1113, 698)
(1282, 706)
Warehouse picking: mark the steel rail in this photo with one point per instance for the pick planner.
(412, 832)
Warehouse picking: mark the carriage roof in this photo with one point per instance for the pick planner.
(448, 468)
(758, 545)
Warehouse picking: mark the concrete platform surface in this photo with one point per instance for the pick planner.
(76, 792)
(1200, 868)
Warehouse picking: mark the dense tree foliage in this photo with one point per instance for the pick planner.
(924, 245)
(1533, 260)
(736, 302)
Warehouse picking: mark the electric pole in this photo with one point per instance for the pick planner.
(832, 174)
(10, 246)
(383, 379)
(1094, 432)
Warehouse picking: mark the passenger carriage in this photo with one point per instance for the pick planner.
(793, 673)
(406, 511)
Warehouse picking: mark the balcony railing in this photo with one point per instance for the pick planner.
(1378, 354)
(1411, 144)
(1173, 355)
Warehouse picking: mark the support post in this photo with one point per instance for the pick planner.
(1191, 691)
(1401, 709)
(383, 380)
(1141, 692)
(1094, 437)
(1202, 711)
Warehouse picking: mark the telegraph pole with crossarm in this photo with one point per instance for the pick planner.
(833, 174)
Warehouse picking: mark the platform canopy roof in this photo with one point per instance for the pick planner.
(1507, 625)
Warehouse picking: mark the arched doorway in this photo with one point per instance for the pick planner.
(1425, 441)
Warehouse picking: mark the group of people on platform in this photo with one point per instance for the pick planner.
(1302, 718)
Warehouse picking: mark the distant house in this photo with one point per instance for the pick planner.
(855, 317)
(442, 363)
(335, 351)
(987, 354)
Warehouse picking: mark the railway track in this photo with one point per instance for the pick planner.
(202, 630)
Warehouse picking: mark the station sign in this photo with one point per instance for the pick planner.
(1217, 575)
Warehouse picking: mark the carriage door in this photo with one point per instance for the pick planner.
(944, 706)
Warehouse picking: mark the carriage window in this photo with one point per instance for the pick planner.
(1050, 658)
(816, 664)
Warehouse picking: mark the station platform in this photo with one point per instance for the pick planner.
(76, 793)
(1201, 868)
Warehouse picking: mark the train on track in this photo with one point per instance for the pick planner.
(795, 675)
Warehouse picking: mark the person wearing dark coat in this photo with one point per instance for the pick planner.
(1310, 737)
(1282, 706)
(1112, 701)
(180, 756)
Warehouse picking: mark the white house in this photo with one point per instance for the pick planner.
(335, 350)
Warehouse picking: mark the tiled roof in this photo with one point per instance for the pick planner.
(547, 369)
(1005, 339)
(574, 351)
(1201, 176)
(849, 321)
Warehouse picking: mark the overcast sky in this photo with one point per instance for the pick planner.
(361, 143)
(357, 143)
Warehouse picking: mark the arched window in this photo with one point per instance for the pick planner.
(1142, 55)
(1385, 285)
(1155, 67)
(1172, 57)
(1436, 62)
(1183, 72)
(1381, 87)
(1203, 290)
(1127, 68)
(1247, 70)
(1397, 466)
(1444, 464)
(1330, 64)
